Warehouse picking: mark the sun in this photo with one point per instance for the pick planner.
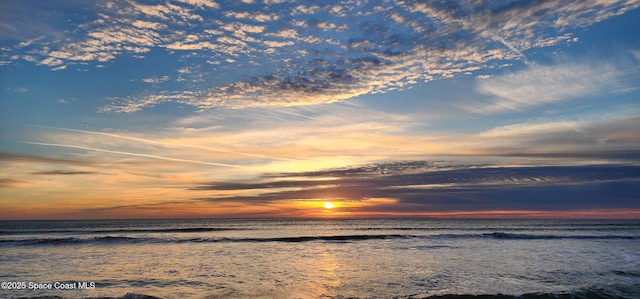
(328, 205)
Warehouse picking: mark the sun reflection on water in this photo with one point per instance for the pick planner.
(325, 273)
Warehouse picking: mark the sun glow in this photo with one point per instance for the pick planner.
(328, 205)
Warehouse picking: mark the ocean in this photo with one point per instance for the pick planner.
(320, 258)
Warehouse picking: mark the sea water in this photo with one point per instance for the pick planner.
(320, 258)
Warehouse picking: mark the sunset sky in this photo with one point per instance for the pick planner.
(203, 108)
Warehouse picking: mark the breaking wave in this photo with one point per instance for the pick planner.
(126, 230)
(501, 235)
(595, 292)
(296, 239)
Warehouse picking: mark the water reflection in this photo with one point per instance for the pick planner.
(324, 271)
(329, 268)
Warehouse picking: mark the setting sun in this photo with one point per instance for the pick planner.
(329, 205)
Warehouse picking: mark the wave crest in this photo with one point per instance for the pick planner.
(295, 239)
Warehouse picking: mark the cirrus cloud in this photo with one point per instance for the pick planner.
(281, 55)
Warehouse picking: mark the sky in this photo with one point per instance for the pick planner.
(270, 108)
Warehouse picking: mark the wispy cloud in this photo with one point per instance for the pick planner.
(582, 136)
(133, 154)
(11, 183)
(17, 89)
(291, 58)
(539, 85)
(171, 143)
(13, 157)
(64, 172)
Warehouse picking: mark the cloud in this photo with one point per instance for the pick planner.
(12, 157)
(256, 16)
(148, 25)
(155, 80)
(51, 61)
(17, 89)
(64, 172)
(278, 44)
(119, 140)
(342, 132)
(326, 26)
(202, 3)
(583, 136)
(539, 85)
(289, 33)
(428, 186)
(284, 56)
(168, 11)
(317, 83)
(11, 183)
(125, 153)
